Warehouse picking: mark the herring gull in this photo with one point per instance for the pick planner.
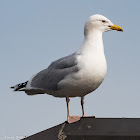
(77, 74)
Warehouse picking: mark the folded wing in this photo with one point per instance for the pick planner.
(49, 78)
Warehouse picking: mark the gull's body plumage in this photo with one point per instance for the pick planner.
(75, 75)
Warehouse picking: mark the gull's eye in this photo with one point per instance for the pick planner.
(103, 21)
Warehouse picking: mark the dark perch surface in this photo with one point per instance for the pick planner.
(93, 129)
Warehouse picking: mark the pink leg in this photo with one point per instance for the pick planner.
(67, 101)
(82, 104)
(71, 119)
(83, 111)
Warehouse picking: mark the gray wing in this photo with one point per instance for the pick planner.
(49, 78)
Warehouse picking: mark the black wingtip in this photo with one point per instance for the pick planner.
(19, 86)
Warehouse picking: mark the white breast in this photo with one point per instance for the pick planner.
(93, 69)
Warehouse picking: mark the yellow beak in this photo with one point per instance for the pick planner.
(116, 27)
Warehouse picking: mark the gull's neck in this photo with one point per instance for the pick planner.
(92, 43)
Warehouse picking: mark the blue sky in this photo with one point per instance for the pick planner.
(35, 33)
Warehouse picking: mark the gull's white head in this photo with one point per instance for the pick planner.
(100, 23)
